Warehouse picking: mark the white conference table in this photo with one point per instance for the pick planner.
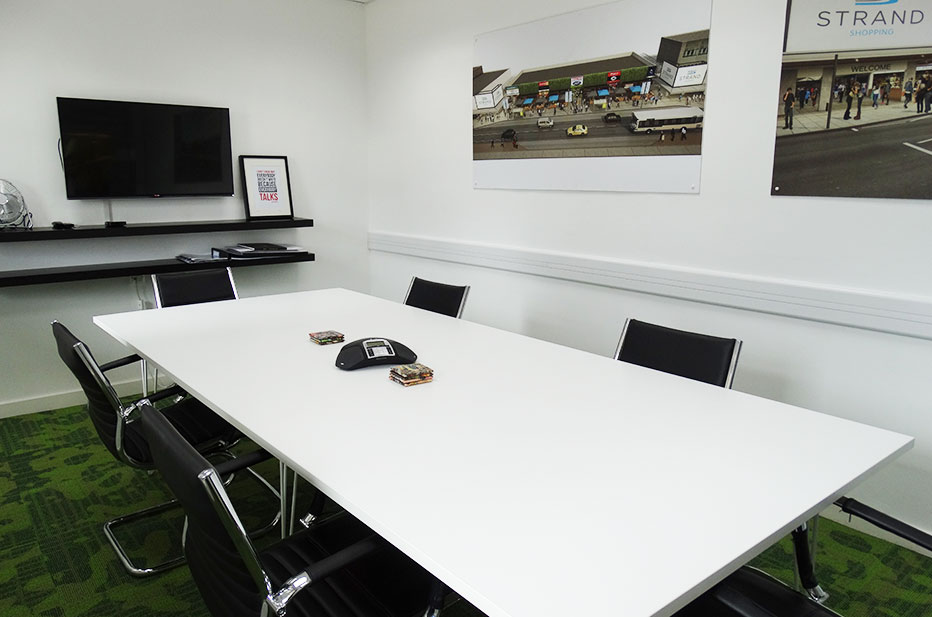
(534, 479)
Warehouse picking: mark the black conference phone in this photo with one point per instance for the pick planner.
(373, 352)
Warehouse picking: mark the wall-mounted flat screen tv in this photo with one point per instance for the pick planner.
(114, 149)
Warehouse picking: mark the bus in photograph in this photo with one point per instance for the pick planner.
(665, 118)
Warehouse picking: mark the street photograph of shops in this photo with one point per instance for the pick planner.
(647, 98)
(867, 132)
(600, 107)
(855, 122)
(622, 106)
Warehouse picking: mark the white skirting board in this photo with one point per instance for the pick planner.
(62, 399)
(859, 308)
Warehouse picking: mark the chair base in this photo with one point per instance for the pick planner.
(135, 570)
(128, 564)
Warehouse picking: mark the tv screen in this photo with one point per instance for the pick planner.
(116, 149)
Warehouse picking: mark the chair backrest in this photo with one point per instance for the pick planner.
(103, 404)
(179, 288)
(437, 297)
(222, 560)
(695, 356)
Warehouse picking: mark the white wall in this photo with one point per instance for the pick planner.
(287, 70)
(420, 170)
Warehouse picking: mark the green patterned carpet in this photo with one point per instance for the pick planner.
(58, 485)
(865, 576)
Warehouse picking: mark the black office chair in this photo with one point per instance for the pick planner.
(748, 592)
(751, 593)
(115, 425)
(337, 568)
(695, 356)
(179, 288)
(709, 359)
(194, 287)
(197, 287)
(437, 297)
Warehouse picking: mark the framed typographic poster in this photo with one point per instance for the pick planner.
(266, 186)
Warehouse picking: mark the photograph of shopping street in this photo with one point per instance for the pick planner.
(584, 109)
(633, 103)
(865, 133)
(597, 99)
(854, 101)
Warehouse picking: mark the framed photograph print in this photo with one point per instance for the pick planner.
(266, 187)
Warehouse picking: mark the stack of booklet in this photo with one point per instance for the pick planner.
(195, 258)
(253, 250)
(411, 374)
(327, 337)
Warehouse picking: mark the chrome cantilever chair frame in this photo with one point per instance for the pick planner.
(126, 414)
(750, 593)
(273, 601)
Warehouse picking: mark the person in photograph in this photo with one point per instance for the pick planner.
(850, 97)
(788, 100)
(875, 96)
(928, 97)
(920, 94)
(907, 93)
(859, 94)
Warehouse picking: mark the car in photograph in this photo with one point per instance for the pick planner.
(577, 130)
(508, 134)
(611, 118)
(544, 123)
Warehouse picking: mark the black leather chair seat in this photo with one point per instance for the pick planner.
(752, 593)
(383, 584)
(196, 422)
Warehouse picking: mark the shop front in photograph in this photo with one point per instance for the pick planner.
(815, 79)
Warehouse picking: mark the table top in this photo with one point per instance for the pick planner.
(536, 480)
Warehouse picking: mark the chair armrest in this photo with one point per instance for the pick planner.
(322, 569)
(339, 560)
(119, 362)
(885, 522)
(170, 391)
(242, 462)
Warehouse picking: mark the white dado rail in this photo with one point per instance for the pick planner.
(859, 308)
